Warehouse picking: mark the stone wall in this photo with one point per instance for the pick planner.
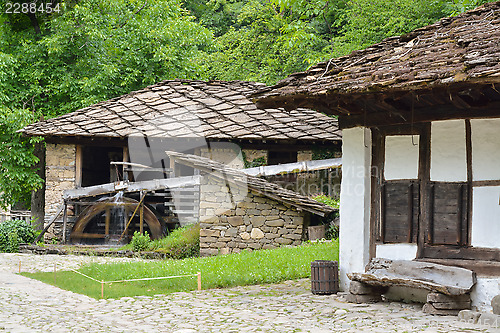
(230, 157)
(304, 155)
(60, 172)
(252, 222)
(253, 154)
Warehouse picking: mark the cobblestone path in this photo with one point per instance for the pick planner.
(30, 306)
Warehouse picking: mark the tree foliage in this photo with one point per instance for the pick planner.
(90, 51)
(271, 39)
(93, 50)
(17, 178)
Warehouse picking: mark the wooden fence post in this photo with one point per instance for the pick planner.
(199, 280)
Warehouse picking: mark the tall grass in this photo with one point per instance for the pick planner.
(180, 243)
(246, 268)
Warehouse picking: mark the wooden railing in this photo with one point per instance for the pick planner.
(24, 215)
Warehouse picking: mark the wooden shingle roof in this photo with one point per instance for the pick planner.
(186, 108)
(262, 186)
(451, 53)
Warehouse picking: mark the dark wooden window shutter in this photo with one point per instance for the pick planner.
(400, 208)
(448, 216)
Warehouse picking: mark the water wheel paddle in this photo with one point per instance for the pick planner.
(105, 221)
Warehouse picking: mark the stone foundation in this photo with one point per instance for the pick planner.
(247, 220)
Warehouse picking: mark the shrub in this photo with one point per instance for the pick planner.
(140, 242)
(15, 232)
(332, 229)
(180, 243)
(330, 201)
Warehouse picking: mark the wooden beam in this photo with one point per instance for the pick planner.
(52, 220)
(65, 222)
(88, 141)
(461, 252)
(480, 267)
(141, 213)
(424, 224)
(424, 114)
(79, 235)
(468, 152)
(78, 166)
(150, 185)
(376, 179)
(107, 222)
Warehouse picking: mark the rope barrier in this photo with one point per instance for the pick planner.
(88, 277)
(102, 282)
(156, 278)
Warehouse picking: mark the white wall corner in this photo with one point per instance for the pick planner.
(355, 201)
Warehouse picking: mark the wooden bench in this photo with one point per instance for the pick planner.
(453, 283)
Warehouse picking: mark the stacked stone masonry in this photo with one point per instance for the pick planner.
(253, 222)
(60, 173)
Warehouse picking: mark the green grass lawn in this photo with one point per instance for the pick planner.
(246, 268)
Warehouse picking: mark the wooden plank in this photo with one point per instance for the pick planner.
(461, 252)
(415, 274)
(86, 235)
(410, 213)
(421, 115)
(460, 213)
(480, 267)
(52, 220)
(141, 213)
(468, 151)
(78, 166)
(383, 213)
(107, 221)
(150, 185)
(424, 179)
(430, 231)
(484, 183)
(65, 222)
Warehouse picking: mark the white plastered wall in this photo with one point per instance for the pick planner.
(448, 151)
(485, 149)
(485, 166)
(483, 292)
(401, 157)
(402, 251)
(354, 202)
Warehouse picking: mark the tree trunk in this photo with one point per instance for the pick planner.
(38, 197)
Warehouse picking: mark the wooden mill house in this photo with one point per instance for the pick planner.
(125, 138)
(420, 115)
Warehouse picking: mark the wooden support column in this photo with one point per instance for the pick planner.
(126, 160)
(141, 213)
(107, 221)
(468, 151)
(424, 173)
(376, 219)
(78, 166)
(65, 222)
(172, 166)
(410, 213)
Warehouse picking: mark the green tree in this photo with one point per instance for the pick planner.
(17, 178)
(270, 40)
(89, 51)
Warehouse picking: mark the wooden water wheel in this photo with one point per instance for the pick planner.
(107, 221)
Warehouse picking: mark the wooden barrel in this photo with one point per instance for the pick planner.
(324, 277)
